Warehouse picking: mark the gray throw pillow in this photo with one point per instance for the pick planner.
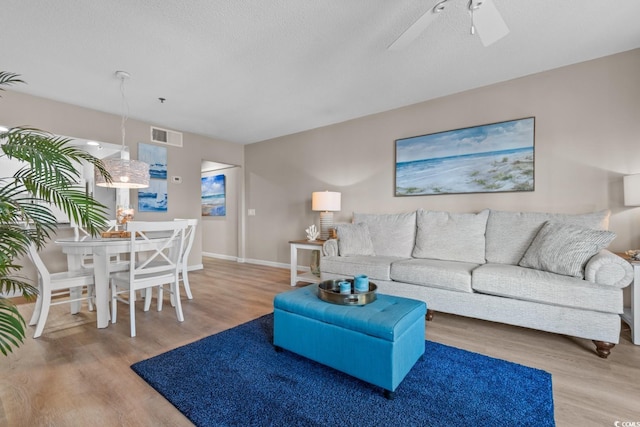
(354, 240)
(565, 248)
(451, 236)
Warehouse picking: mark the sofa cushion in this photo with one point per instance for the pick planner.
(526, 284)
(354, 240)
(565, 248)
(509, 234)
(376, 267)
(453, 275)
(451, 236)
(391, 234)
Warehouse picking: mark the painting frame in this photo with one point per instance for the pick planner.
(490, 158)
(213, 198)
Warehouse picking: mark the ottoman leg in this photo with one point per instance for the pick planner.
(390, 395)
(277, 348)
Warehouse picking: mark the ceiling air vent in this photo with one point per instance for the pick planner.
(165, 136)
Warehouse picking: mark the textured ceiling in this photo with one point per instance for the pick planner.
(250, 70)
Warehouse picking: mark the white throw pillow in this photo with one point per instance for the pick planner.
(354, 240)
(565, 248)
(451, 236)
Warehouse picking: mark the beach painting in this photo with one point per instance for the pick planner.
(156, 157)
(497, 157)
(154, 197)
(213, 196)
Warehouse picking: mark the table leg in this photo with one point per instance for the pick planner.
(635, 307)
(74, 263)
(294, 265)
(101, 271)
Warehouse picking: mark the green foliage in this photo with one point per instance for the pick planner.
(48, 178)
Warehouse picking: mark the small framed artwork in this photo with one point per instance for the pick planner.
(491, 158)
(153, 198)
(213, 199)
(156, 157)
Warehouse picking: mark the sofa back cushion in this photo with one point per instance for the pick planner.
(451, 236)
(509, 234)
(354, 240)
(391, 234)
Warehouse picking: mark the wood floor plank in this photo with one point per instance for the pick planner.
(78, 375)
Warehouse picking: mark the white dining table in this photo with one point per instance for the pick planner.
(101, 249)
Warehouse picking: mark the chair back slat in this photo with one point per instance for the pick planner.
(156, 247)
(189, 236)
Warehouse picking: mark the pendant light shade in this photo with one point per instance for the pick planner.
(124, 173)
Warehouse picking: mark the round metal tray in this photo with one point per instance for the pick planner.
(329, 291)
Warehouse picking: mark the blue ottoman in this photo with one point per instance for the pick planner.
(378, 342)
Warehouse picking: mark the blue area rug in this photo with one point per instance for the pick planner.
(236, 378)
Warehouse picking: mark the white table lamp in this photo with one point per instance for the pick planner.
(632, 190)
(326, 202)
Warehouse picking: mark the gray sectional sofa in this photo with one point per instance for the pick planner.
(544, 271)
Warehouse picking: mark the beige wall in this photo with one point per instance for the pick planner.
(184, 199)
(587, 134)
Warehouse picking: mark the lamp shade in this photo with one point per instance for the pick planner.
(124, 174)
(327, 201)
(632, 190)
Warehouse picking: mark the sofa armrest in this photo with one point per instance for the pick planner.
(330, 248)
(607, 268)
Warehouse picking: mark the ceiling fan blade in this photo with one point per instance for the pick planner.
(489, 23)
(412, 33)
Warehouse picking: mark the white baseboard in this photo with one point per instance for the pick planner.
(195, 267)
(268, 263)
(220, 256)
(251, 261)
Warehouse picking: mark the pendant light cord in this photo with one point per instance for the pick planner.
(125, 110)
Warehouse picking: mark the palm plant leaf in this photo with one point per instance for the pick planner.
(52, 175)
(14, 285)
(48, 178)
(12, 326)
(7, 78)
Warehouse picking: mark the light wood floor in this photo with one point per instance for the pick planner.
(77, 375)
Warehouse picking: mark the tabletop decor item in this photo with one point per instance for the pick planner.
(331, 291)
(633, 254)
(345, 287)
(312, 232)
(361, 282)
(124, 214)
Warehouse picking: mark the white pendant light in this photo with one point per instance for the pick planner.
(125, 173)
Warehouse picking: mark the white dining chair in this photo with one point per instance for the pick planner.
(155, 254)
(189, 236)
(76, 285)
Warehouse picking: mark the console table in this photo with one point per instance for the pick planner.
(310, 245)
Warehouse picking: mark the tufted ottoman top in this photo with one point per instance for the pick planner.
(386, 318)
